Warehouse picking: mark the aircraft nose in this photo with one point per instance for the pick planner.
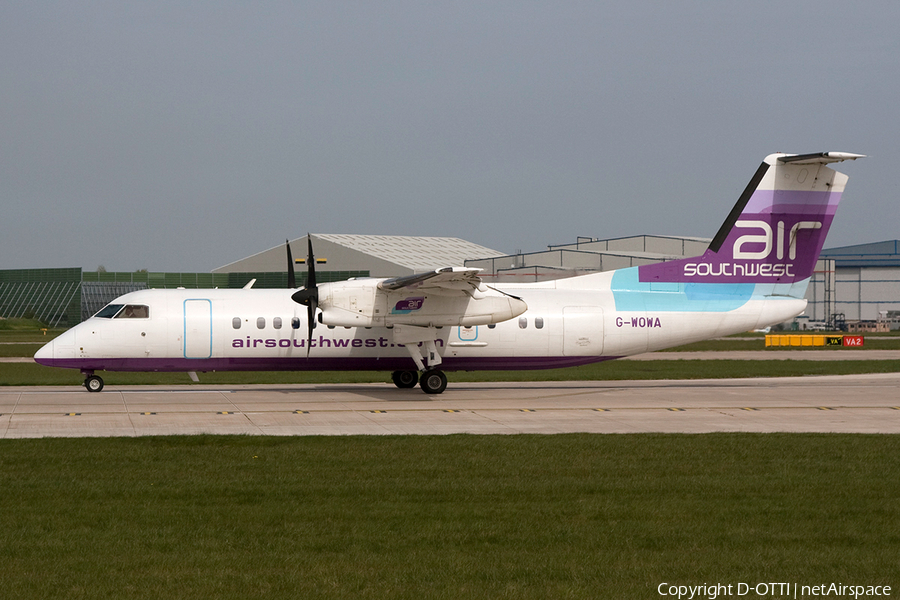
(46, 353)
(61, 347)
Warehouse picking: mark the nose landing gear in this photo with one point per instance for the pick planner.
(93, 383)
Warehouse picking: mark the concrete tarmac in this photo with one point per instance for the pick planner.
(847, 403)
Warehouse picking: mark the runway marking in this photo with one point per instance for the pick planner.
(474, 410)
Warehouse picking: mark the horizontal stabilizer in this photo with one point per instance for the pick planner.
(819, 158)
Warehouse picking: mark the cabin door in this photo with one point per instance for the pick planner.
(197, 328)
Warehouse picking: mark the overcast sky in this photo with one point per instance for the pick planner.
(182, 136)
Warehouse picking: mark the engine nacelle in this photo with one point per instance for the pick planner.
(351, 303)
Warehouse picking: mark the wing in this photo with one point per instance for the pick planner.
(446, 281)
(445, 297)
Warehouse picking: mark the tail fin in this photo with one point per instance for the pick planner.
(775, 232)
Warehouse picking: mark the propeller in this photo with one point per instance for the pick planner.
(292, 281)
(309, 295)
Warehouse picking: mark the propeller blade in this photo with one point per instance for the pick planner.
(292, 282)
(310, 265)
(311, 323)
(312, 287)
(309, 295)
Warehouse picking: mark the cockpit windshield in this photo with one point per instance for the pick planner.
(109, 311)
(124, 311)
(134, 311)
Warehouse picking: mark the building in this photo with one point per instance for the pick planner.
(867, 280)
(364, 255)
(587, 255)
(65, 297)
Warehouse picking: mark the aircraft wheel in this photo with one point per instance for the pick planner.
(405, 379)
(433, 381)
(94, 383)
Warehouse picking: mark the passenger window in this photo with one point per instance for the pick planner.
(539, 322)
(261, 323)
(134, 311)
(523, 322)
(276, 322)
(295, 323)
(492, 326)
(236, 322)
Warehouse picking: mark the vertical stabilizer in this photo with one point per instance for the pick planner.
(775, 232)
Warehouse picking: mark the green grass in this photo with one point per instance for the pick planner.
(566, 516)
(618, 370)
(17, 333)
(20, 349)
(32, 325)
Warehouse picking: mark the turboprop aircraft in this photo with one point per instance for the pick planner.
(754, 274)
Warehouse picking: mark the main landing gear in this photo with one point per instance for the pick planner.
(93, 383)
(432, 381)
(405, 379)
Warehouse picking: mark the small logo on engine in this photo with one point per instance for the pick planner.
(408, 305)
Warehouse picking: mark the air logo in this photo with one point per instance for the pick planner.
(753, 252)
(767, 238)
(408, 305)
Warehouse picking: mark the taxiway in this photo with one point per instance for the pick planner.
(847, 403)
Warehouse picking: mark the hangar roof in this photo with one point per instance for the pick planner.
(416, 253)
(380, 255)
(875, 254)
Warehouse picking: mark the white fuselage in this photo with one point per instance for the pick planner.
(568, 322)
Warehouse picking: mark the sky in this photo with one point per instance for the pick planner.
(182, 136)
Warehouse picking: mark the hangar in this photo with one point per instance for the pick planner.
(367, 255)
(588, 255)
(867, 280)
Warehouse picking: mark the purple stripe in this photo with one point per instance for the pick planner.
(395, 363)
(793, 202)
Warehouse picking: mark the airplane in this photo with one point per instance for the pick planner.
(754, 274)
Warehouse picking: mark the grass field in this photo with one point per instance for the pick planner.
(564, 516)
